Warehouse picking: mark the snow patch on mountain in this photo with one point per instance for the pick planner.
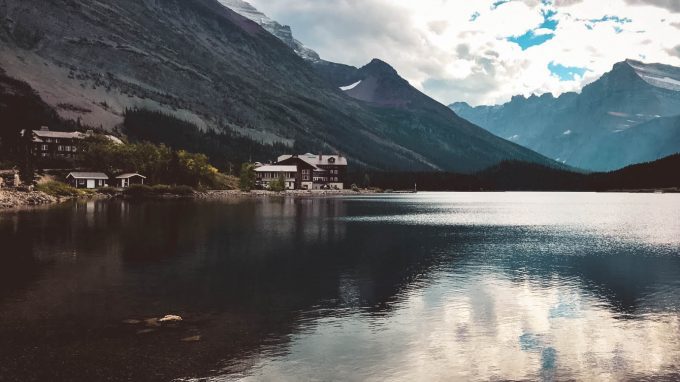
(665, 82)
(659, 75)
(350, 87)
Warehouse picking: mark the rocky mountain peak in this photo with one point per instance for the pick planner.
(379, 68)
(623, 68)
(282, 32)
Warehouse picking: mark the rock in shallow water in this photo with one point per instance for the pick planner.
(170, 318)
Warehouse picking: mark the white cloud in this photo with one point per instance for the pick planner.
(443, 50)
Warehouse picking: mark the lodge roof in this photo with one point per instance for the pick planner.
(59, 134)
(46, 133)
(276, 168)
(318, 159)
(88, 175)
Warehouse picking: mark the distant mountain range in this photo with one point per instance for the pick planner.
(630, 115)
(203, 63)
(659, 175)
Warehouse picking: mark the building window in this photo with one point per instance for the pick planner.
(43, 147)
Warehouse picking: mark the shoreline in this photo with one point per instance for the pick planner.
(13, 199)
(10, 199)
(227, 194)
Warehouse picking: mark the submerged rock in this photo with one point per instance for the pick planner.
(145, 331)
(170, 318)
(152, 322)
(191, 339)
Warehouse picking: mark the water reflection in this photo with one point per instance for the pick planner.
(427, 286)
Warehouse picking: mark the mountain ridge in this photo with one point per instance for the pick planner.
(575, 127)
(205, 64)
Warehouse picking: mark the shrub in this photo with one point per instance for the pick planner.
(60, 189)
(145, 191)
(181, 190)
(108, 190)
(278, 185)
(225, 182)
(139, 191)
(161, 189)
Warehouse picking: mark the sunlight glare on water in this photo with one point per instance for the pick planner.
(514, 310)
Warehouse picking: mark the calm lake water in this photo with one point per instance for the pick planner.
(431, 286)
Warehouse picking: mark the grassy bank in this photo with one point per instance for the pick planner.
(62, 190)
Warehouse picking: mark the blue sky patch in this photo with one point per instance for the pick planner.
(496, 4)
(474, 16)
(615, 19)
(566, 73)
(530, 38)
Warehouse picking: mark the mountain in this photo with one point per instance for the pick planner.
(202, 63)
(282, 32)
(334, 73)
(613, 122)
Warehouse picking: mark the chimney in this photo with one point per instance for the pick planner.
(44, 128)
(320, 157)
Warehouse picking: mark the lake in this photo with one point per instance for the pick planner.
(427, 286)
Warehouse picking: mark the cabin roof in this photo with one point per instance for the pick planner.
(130, 175)
(88, 175)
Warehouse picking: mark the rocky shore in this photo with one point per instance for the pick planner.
(15, 198)
(231, 194)
(10, 198)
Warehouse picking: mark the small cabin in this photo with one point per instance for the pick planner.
(87, 179)
(125, 180)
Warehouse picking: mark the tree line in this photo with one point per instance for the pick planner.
(159, 163)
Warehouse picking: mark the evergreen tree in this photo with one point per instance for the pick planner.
(26, 160)
(247, 178)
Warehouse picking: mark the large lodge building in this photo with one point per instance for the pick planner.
(59, 144)
(305, 172)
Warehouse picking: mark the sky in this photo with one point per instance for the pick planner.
(486, 51)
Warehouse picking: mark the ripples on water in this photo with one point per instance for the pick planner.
(450, 286)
